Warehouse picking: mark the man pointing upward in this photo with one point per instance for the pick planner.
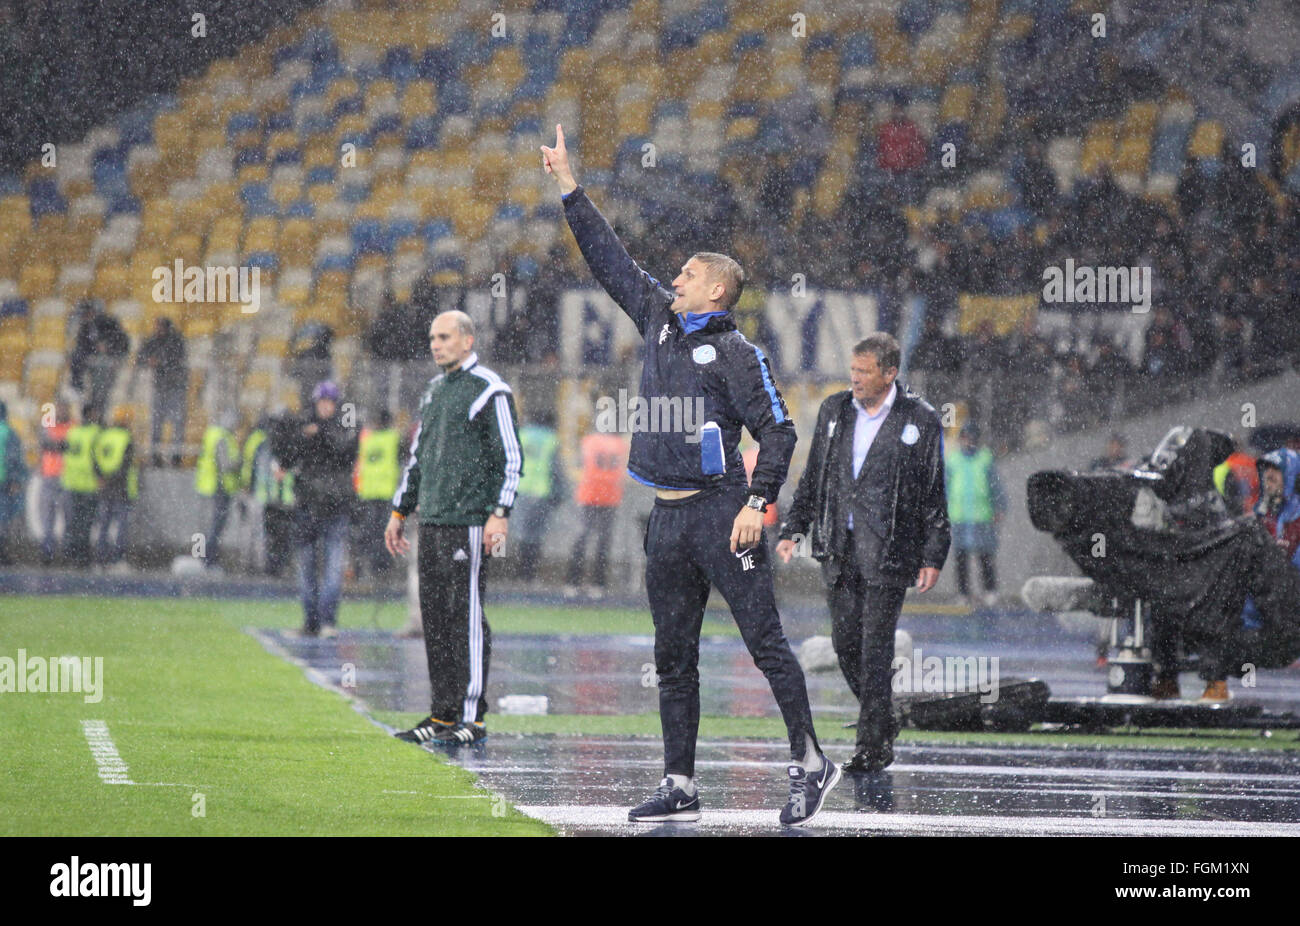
(706, 526)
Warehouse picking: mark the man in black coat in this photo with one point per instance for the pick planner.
(322, 456)
(872, 508)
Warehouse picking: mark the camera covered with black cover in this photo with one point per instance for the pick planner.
(1162, 533)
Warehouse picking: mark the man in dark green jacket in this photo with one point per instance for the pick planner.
(463, 473)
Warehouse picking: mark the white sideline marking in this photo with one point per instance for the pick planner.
(615, 818)
(112, 770)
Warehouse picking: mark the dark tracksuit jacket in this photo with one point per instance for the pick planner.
(465, 461)
(688, 540)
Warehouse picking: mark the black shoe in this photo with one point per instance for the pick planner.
(667, 805)
(870, 760)
(157, 460)
(808, 792)
(423, 731)
(461, 734)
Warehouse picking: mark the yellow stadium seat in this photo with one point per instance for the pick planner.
(320, 153)
(36, 281)
(260, 235)
(340, 88)
(110, 283)
(1140, 118)
(1133, 155)
(956, 104)
(297, 241)
(418, 100)
(1206, 141)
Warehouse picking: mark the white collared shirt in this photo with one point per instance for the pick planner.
(865, 429)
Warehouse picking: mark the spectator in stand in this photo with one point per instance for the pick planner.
(1037, 181)
(939, 358)
(13, 478)
(1237, 363)
(53, 498)
(164, 354)
(599, 493)
(100, 348)
(553, 278)
(393, 339)
(1163, 362)
(1078, 410)
(900, 148)
(1109, 378)
(310, 351)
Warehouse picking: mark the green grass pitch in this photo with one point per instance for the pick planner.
(207, 721)
(223, 738)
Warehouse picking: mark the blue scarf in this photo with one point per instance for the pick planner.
(690, 321)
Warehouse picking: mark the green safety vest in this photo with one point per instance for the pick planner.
(539, 445)
(378, 466)
(251, 444)
(205, 472)
(1221, 477)
(6, 434)
(79, 460)
(970, 500)
(272, 491)
(110, 451)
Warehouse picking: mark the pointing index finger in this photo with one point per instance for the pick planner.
(559, 135)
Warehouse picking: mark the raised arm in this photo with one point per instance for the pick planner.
(636, 292)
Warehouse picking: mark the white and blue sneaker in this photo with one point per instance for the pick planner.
(668, 804)
(808, 792)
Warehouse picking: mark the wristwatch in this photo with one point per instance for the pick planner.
(757, 502)
(499, 512)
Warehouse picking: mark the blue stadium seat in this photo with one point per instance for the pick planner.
(279, 121)
(435, 229)
(44, 198)
(287, 156)
(301, 209)
(335, 262)
(16, 306)
(399, 65)
(422, 133)
(321, 174)
(401, 228)
(254, 154)
(263, 260)
(242, 122)
(125, 205)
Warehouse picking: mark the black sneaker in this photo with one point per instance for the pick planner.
(461, 734)
(423, 731)
(808, 792)
(667, 805)
(872, 760)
